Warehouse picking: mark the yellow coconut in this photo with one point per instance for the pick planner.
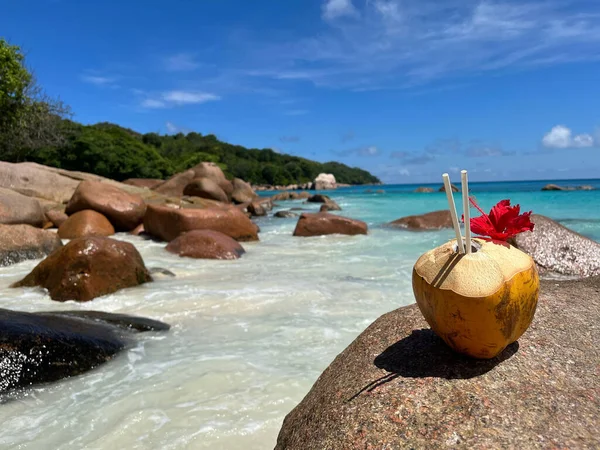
(477, 303)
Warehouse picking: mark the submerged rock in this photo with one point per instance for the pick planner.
(285, 214)
(21, 242)
(87, 268)
(38, 348)
(559, 250)
(124, 210)
(324, 223)
(206, 244)
(400, 386)
(434, 220)
(85, 223)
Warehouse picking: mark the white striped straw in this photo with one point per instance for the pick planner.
(466, 210)
(452, 208)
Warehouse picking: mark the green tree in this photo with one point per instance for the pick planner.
(29, 119)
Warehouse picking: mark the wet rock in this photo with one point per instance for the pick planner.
(22, 242)
(242, 191)
(399, 386)
(285, 214)
(559, 250)
(87, 268)
(325, 199)
(124, 210)
(16, 209)
(206, 244)
(324, 223)
(435, 220)
(149, 183)
(205, 188)
(324, 181)
(138, 230)
(452, 186)
(167, 223)
(256, 209)
(57, 217)
(553, 187)
(85, 223)
(37, 348)
(160, 271)
(425, 189)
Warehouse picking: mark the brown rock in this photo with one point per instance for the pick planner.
(435, 220)
(57, 217)
(453, 187)
(167, 223)
(282, 196)
(205, 188)
(425, 189)
(559, 250)
(256, 209)
(242, 191)
(175, 185)
(399, 386)
(138, 230)
(21, 242)
(149, 183)
(125, 211)
(301, 195)
(16, 209)
(85, 223)
(87, 268)
(206, 244)
(321, 198)
(213, 171)
(323, 223)
(553, 187)
(285, 214)
(380, 191)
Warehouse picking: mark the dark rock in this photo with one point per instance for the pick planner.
(21, 242)
(161, 271)
(85, 223)
(149, 183)
(425, 189)
(138, 230)
(321, 198)
(242, 191)
(167, 223)
(285, 214)
(399, 386)
(37, 348)
(87, 268)
(434, 220)
(124, 210)
(206, 244)
(57, 217)
(452, 186)
(559, 250)
(17, 209)
(324, 223)
(205, 188)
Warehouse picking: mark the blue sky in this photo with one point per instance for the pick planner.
(404, 88)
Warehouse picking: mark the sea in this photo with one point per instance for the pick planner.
(249, 337)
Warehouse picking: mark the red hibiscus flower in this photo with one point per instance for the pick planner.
(502, 223)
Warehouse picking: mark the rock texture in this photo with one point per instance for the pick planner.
(435, 220)
(167, 223)
(242, 191)
(324, 181)
(124, 210)
(38, 348)
(556, 187)
(21, 242)
(283, 196)
(398, 386)
(144, 182)
(84, 224)
(206, 244)
(424, 190)
(87, 268)
(175, 185)
(16, 209)
(57, 217)
(558, 250)
(205, 188)
(324, 223)
(285, 214)
(325, 199)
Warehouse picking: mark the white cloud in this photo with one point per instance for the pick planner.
(172, 128)
(188, 97)
(332, 9)
(153, 103)
(181, 62)
(97, 80)
(562, 137)
(404, 172)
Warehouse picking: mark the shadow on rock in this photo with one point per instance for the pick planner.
(423, 355)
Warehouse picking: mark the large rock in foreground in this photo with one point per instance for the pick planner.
(167, 223)
(124, 210)
(87, 268)
(21, 242)
(85, 223)
(399, 386)
(206, 244)
(435, 220)
(323, 223)
(39, 348)
(16, 209)
(558, 250)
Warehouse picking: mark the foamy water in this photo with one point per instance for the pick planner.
(248, 337)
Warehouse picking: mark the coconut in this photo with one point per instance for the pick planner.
(479, 302)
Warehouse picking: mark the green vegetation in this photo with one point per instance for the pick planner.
(33, 127)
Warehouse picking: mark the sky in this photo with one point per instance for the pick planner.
(406, 89)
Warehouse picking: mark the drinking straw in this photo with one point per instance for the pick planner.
(452, 208)
(466, 212)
